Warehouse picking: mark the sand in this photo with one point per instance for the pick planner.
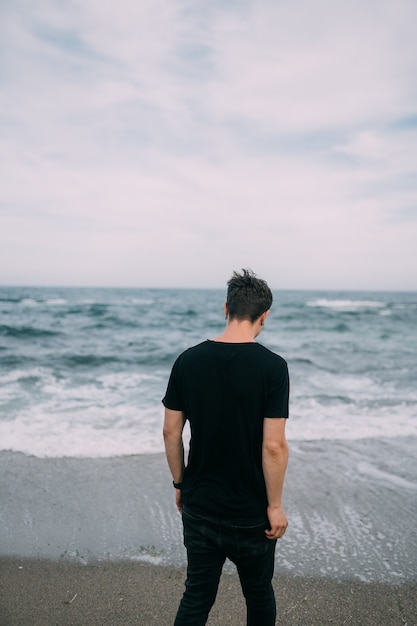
(46, 593)
(98, 541)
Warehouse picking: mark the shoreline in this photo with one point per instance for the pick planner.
(350, 504)
(51, 593)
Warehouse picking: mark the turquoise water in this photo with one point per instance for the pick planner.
(83, 371)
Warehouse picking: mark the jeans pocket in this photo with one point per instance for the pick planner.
(251, 542)
(194, 532)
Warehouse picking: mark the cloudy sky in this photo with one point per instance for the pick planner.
(168, 142)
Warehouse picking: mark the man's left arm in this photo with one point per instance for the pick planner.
(274, 465)
(174, 448)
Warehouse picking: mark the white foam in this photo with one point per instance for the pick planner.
(345, 305)
(142, 301)
(147, 558)
(28, 302)
(20, 374)
(56, 302)
(349, 428)
(84, 428)
(385, 477)
(311, 419)
(120, 413)
(75, 435)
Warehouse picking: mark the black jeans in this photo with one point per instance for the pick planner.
(209, 542)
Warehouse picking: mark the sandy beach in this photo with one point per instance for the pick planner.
(98, 541)
(43, 593)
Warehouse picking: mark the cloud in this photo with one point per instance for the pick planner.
(298, 68)
(168, 143)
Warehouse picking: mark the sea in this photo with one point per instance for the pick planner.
(83, 370)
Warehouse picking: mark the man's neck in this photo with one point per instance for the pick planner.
(239, 332)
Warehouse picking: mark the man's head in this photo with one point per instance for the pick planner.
(247, 296)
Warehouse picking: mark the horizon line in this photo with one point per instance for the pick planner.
(193, 288)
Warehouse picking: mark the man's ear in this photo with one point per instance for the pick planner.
(264, 316)
(226, 310)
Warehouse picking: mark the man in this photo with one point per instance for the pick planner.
(234, 392)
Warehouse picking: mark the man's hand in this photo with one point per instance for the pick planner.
(178, 500)
(278, 522)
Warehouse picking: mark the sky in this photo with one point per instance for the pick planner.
(159, 143)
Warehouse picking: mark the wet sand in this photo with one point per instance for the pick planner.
(98, 541)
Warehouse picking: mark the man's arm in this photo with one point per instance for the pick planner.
(274, 465)
(174, 448)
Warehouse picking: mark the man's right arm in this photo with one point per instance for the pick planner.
(274, 465)
(173, 426)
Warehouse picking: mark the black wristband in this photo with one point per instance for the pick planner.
(177, 485)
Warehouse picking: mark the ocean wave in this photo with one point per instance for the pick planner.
(87, 308)
(13, 360)
(345, 305)
(18, 375)
(11, 300)
(82, 363)
(97, 309)
(186, 313)
(89, 360)
(141, 301)
(31, 302)
(56, 302)
(115, 431)
(296, 361)
(112, 321)
(341, 328)
(98, 432)
(332, 399)
(26, 332)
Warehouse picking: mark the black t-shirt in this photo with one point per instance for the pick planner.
(225, 391)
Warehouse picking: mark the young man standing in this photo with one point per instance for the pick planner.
(234, 392)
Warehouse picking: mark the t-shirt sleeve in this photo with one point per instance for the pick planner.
(278, 397)
(172, 399)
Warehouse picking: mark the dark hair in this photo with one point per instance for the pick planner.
(247, 296)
